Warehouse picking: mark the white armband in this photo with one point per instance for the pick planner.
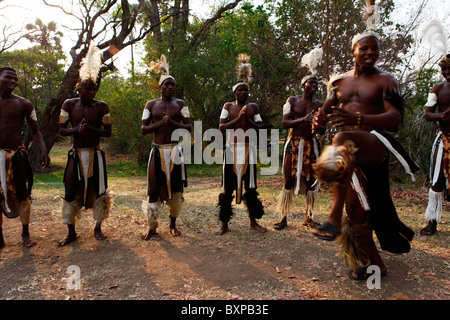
(432, 100)
(257, 118)
(185, 112)
(33, 115)
(63, 116)
(287, 108)
(224, 114)
(106, 119)
(146, 114)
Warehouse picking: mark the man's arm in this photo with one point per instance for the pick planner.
(256, 122)
(30, 115)
(225, 122)
(64, 119)
(185, 118)
(431, 106)
(147, 125)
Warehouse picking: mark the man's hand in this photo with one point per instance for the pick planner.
(243, 112)
(45, 160)
(317, 120)
(446, 116)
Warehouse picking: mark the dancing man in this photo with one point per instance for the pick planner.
(239, 121)
(15, 170)
(366, 102)
(166, 174)
(438, 100)
(85, 177)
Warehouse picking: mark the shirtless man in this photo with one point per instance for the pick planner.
(366, 102)
(240, 114)
(85, 178)
(166, 171)
(16, 173)
(438, 100)
(298, 113)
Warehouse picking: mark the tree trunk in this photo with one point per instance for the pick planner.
(49, 126)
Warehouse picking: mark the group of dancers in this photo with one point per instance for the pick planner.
(363, 104)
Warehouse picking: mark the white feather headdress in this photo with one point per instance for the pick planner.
(91, 64)
(434, 33)
(372, 16)
(161, 66)
(243, 70)
(311, 61)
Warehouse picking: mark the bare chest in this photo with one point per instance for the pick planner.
(360, 91)
(160, 109)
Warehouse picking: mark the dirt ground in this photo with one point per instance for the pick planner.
(199, 265)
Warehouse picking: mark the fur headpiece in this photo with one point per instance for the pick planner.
(243, 70)
(90, 66)
(445, 62)
(161, 66)
(372, 17)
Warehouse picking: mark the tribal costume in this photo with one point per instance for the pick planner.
(239, 167)
(371, 184)
(15, 195)
(169, 165)
(88, 185)
(439, 170)
(304, 152)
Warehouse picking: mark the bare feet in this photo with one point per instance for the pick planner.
(255, 226)
(224, 229)
(173, 228)
(174, 231)
(70, 238)
(151, 235)
(98, 234)
(28, 242)
(26, 237)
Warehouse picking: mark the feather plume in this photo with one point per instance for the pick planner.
(161, 66)
(371, 14)
(312, 59)
(244, 68)
(434, 33)
(91, 64)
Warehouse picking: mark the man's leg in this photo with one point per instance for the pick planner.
(363, 238)
(370, 151)
(152, 207)
(433, 211)
(70, 207)
(20, 177)
(286, 195)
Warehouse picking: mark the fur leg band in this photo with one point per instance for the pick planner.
(152, 212)
(254, 205)
(225, 207)
(434, 207)
(102, 206)
(335, 162)
(175, 205)
(284, 202)
(354, 241)
(71, 212)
